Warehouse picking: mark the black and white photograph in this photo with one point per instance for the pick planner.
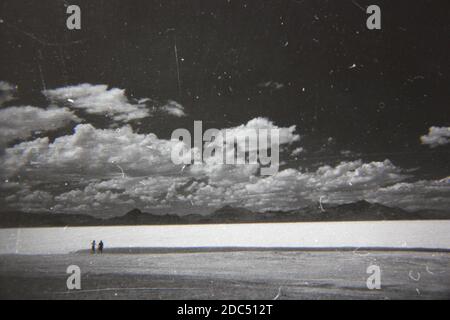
(227, 150)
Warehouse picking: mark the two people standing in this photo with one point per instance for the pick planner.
(99, 247)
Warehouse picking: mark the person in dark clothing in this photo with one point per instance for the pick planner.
(100, 247)
(93, 247)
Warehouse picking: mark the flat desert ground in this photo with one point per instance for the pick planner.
(257, 274)
(247, 261)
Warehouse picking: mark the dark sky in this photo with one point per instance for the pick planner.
(373, 92)
(398, 89)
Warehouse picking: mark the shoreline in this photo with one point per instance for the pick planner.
(173, 250)
(157, 250)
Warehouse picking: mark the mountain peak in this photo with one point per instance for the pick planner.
(362, 203)
(134, 213)
(227, 209)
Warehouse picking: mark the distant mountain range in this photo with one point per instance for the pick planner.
(357, 211)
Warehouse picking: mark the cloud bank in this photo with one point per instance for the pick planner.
(437, 136)
(173, 108)
(99, 100)
(105, 172)
(90, 151)
(116, 170)
(21, 122)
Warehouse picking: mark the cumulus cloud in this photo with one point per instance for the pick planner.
(380, 182)
(91, 151)
(111, 171)
(292, 188)
(99, 100)
(287, 135)
(437, 136)
(7, 91)
(244, 138)
(30, 200)
(141, 161)
(240, 140)
(90, 198)
(173, 108)
(423, 194)
(21, 122)
(288, 189)
(356, 174)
